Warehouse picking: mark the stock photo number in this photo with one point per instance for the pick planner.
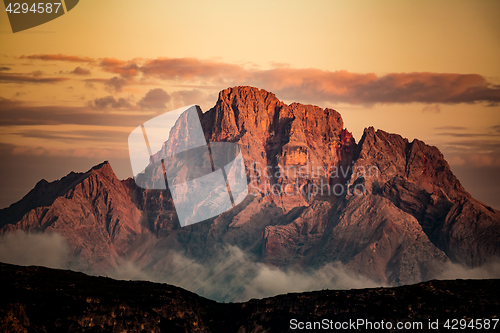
(40, 7)
(31, 13)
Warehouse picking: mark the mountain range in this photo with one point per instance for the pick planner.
(384, 210)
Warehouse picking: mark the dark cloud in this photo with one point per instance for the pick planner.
(14, 113)
(109, 102)
(6, 103)
(97, 79)
(433, 108)
(75, 136)
(80, 71)
(58, 57)
(155, 99)
(450, 128)
(116, 83)
(4, 69)
(34, 78)
(467, 135)
(496, 128)
(37, 73)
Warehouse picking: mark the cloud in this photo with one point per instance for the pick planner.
(16, 113)
(37, 73)
(333, 86)
(187, 69)
(80, 71)
(155, 99)
(496, 128)
(456, 160)
(87, 152)
(451, 271)
(4, 69)
(307, 84)
(194, 96)
(235, 276)
(468, 135)
(109, 102)
(116, 83)
(35, 78)
(473, 159)
(58, 57)
(451, 128)
(232, 275)
(43, 249)
(74, 136)
(6, 103)
(434, 108)
(475, 146)
(124, 68)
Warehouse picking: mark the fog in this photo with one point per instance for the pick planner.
(490, 270)
(41, 249)
(231, 276)
(234, 276)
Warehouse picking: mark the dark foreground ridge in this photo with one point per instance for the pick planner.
(39, 299)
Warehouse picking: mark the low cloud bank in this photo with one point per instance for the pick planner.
(490, 270)
(41, 249)
(232, 275)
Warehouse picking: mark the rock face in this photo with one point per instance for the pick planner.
(386, 208)
(92, 210)
(81, 303)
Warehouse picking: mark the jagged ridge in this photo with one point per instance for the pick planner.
(414, 217)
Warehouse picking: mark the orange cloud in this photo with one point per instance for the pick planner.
(58, 57)
(80, 71)
(338, 86)
(35, 78)
(311, 85)
(124, 68)
(186, 69)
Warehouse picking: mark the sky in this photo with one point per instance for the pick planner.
(72, 89)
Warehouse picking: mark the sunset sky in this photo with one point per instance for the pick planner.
(74, 88)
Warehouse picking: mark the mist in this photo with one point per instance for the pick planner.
(231, 276)
(490, 270)
(41, 249)
(234, 276)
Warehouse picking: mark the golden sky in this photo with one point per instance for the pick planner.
(73, 88)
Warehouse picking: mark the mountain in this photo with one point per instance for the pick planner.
(391, 210)
(36, 299)
(92, 210)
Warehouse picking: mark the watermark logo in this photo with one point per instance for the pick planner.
(204, 179)
(310, 180)
(28, 13)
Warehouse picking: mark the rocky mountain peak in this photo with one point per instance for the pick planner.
(104, 169)
(413, 217)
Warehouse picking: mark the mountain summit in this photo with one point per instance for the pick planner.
(384, 208)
